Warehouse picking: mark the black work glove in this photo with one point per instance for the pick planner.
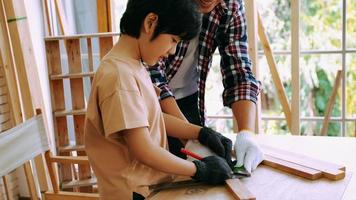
(212, 170)
(218, 143)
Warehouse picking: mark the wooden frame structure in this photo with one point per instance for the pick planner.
(79, 79)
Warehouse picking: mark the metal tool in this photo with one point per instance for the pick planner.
(188, 183)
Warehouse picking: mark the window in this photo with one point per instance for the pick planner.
(326, 29)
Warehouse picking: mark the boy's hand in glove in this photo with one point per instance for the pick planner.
(212, 170)
(218, 143)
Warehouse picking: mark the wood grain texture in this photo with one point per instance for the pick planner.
(274, 71)
(78, 102)
(329, 170)
(70, 196)
(292, 168)
(239, 190)
(106, 44)
(331, 102)
(267, 183)
(58, 104)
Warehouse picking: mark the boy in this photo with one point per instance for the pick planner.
(125, 131)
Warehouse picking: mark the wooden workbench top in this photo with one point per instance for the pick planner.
(267, 183)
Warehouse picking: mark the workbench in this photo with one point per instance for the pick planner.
(267, 183)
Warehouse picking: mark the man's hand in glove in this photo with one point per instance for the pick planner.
(218, 143)
(212, 170)
(248, 152)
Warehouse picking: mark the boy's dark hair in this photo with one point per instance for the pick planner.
(176, 17)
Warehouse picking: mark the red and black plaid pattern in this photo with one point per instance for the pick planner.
(223, 28)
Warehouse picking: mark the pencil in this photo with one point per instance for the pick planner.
(191, 154)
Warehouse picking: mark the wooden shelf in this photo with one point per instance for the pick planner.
(70, 148)
(79, 183)
(70, 112)
(72, 76)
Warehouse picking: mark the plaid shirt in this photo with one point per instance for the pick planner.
(225, 28)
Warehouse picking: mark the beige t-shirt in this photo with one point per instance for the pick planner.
(122, 97)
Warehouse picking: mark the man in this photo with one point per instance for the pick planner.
(182, 76)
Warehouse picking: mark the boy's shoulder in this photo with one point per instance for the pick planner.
(112, 66)
(117, 73)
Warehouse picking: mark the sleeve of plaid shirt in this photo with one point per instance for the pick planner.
(159, 78)
(238, 79)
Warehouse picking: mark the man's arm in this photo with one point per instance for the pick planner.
(239, 81)
(245, 114)
(240, 87)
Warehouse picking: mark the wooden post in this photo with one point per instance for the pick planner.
(104, 15)
(273, 68)
(295, 106)
(7, 189)
(252, 27)
(78, 102)
(47, 17)
(51, 171)
(8, 62)
(104, 24)
(63, 23)
(331, 103)
(58, 104)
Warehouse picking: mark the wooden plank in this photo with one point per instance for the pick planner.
(79, 183)
(51, 171)
(238, 190)
(274, 72)
(41, 172)
(105, 44)
(78, 103)
(329, 170)
(4, 99)
(104, 15)
(30, 181)
(331, 103)
(47, 17)
(292, 168)
(3, 90)
(4, 108)
(63, 22)
(252, 29)
(79, 36)
(293, 157)
(6, 126)
(58, 104)
(90, 57)
(295, 105)
(26, 65)
(22, 52)
(8, 62)
(11, 188)
(70, 196)
(6, 186)
(70, 148)
(4, 117)
(82, 160)
(2, 81)
(70, 112)
(74, 75)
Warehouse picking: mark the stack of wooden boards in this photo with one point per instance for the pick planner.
(301, 165)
